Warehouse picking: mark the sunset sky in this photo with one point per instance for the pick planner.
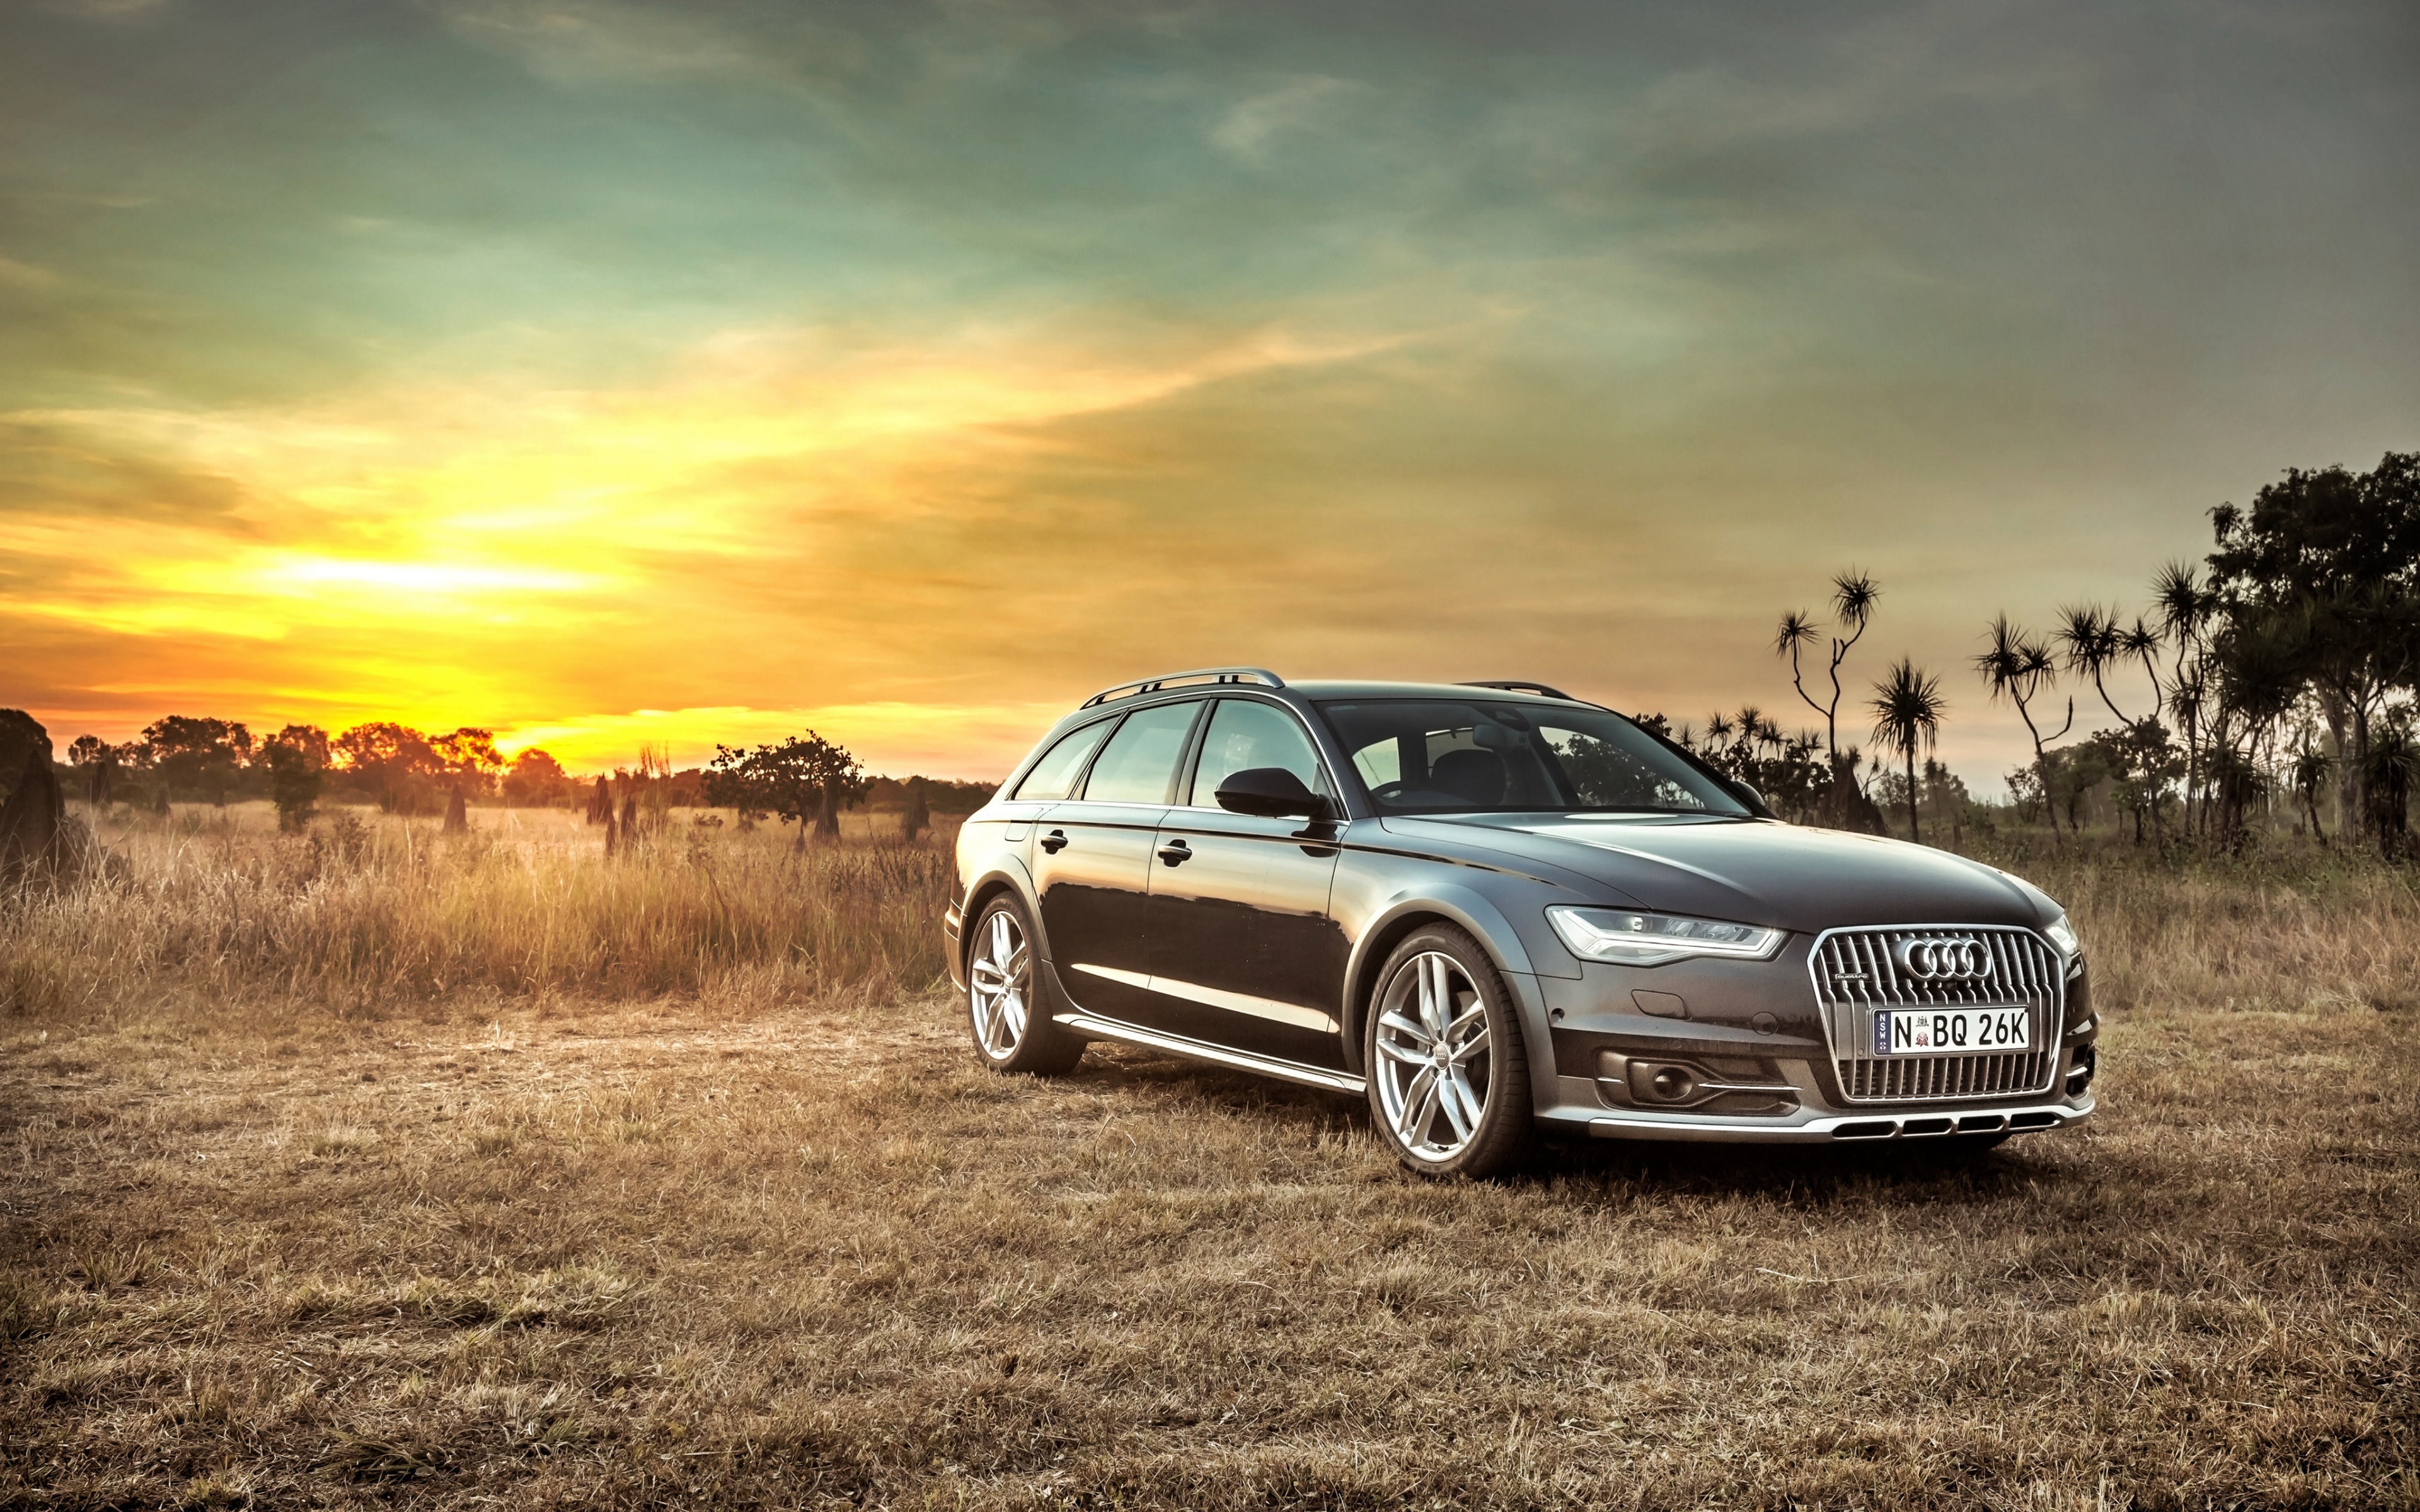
(605, 372)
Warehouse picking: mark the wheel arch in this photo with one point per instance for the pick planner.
(1466, 910)
(1009, 878)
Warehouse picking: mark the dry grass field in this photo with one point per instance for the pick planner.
(490, 1174)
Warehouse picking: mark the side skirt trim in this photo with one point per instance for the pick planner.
(1176, 1044)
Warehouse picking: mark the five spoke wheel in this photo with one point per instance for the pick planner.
(1433, 1057)
(1003, 1009)
(1449, 1075)
(1000, 982)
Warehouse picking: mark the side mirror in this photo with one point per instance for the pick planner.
(1269, 793)
(1751, 795)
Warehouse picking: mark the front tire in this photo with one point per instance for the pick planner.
(1006, 1012)
(1449, 1072)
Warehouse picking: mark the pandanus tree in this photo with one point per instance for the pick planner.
(1907, 707)
(2186, 609)
(2019, 668)
(1853, 595)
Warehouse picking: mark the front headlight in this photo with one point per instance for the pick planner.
(1632, 938)
(2062, 934)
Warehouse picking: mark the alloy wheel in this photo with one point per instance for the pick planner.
(1000, 982)
(1433, 1061)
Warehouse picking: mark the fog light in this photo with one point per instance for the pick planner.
(1672, 1084)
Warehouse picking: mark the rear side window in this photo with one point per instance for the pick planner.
(1244, 734)
(1138, 764)
(1056, 772)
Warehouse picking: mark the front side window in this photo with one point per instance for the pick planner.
(1138, 764)
(1056, 772)
(1436, 756)
(1244, 734)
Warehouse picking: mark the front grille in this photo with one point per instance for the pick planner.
(1858, 970)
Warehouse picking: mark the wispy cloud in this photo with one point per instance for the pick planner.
(1251, 125)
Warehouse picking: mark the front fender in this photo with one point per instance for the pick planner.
(1475, 914)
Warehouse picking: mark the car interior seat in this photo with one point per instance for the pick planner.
(1475, 777)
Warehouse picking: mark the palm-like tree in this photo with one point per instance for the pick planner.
(2093, 643)
(2019, 667)
(1853, 596)
(2309, 776)
(1907, 708)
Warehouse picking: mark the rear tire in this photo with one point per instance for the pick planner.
(1449, 1071)
(1007, 1013)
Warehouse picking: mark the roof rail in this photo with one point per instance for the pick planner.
(1211, 674)
(1539, 688)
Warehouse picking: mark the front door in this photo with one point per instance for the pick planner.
(1092, 859)
(1244, 953)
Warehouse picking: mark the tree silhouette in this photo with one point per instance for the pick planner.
(1907, 708)
(2185, 608)
(388, 759)
(201, 756)
(296, 756)
(1853, 595)
(802, 781)
(2321, 576)
(2019, 667)
(2309, 776)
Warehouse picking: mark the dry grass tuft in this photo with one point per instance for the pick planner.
(361, 919)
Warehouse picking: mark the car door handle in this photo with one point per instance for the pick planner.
(1176, 853)
(1053, 841)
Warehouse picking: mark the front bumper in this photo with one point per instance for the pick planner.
(1835, 1128)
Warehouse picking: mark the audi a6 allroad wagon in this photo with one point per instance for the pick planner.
(1503, 915)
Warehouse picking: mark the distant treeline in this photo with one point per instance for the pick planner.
(197, 759)
(2283, 677)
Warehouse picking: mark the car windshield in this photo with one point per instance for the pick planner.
(1439, 756)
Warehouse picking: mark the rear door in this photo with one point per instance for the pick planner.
(1243, 952)
(1092, 861)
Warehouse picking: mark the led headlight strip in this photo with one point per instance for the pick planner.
(1633, 938)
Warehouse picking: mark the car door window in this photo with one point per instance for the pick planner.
(1244, 735)
(1138, 764)
(1059, 768)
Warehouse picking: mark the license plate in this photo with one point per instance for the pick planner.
(1951, 1031)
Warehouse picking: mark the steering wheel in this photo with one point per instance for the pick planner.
(1384, 791)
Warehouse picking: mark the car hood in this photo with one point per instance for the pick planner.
(1755, 872)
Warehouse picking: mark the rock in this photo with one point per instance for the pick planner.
(20, 735)
(38, 841)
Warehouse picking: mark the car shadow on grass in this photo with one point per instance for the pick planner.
(1928, 1172)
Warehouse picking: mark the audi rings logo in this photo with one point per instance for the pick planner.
(1959, 958)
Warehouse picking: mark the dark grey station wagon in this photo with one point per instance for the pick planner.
(1501, 914)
